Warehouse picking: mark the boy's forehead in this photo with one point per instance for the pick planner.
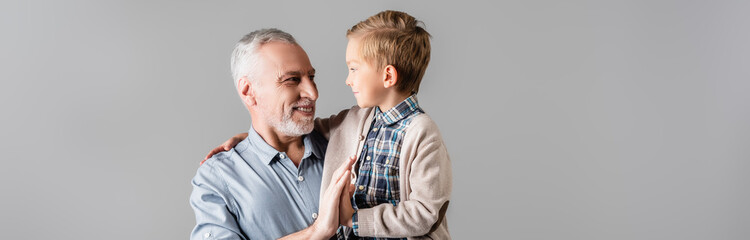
(352, 52)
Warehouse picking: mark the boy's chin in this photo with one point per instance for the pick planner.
(362, 105)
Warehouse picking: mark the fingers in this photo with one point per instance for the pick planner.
(214, 151)
(351, 190)
(339, 183)
(341, 168)
(228, 144)
(341, 173)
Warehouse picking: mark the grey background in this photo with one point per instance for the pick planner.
(564, 119)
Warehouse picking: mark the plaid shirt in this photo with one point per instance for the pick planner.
(378, 169)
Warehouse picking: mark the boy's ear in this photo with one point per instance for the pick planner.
(245, 89)
(390, 76)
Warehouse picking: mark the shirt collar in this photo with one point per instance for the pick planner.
(400, 111)
(311, 149)
(268, 154)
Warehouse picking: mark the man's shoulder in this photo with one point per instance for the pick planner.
(224, 162)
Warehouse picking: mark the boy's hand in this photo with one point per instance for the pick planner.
(345, 204)
(229, 144)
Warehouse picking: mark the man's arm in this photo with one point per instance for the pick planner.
(213, 218)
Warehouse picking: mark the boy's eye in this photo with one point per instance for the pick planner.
(352, 69)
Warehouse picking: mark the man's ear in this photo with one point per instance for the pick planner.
(390, 77)
(245, 89)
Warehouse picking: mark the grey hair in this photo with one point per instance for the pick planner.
(245, 54)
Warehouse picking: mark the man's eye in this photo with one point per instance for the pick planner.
(352, 69)
(293, 79)
(312, 77)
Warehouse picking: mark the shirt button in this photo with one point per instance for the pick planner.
(361, 138)
(300, 178)
(207, 235)
(315, 215)
(368, 157)
(361, 187)
(281, 155)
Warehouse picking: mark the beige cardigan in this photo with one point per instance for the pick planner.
(424, 175)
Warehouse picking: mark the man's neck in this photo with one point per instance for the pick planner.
(294, 147)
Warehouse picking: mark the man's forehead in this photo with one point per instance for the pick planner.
(296, 72)
(294, 68)
(286, 59)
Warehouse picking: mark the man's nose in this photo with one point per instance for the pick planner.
(309, 89)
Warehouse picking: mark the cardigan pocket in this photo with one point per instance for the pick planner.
(385, 188)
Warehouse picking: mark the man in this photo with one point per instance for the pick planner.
(268, 185)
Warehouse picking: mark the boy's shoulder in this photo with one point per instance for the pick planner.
(422, 127)
(423, 121)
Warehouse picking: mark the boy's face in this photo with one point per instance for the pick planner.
(366, 81)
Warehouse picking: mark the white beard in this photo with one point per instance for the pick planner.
(287, 125)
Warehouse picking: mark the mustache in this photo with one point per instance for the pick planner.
(304, 102)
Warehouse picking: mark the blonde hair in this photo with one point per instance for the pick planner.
(394, 38)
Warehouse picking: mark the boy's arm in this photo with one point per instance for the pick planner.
(430, 181)
(325, 125)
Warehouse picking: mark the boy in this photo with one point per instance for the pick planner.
(403, 181)
(403, 175)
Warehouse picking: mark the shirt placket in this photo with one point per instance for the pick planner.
(299, 183)
(366, 164)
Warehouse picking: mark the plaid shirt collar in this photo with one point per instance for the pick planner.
(400, 111)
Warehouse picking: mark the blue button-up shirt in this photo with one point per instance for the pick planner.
(254, 191)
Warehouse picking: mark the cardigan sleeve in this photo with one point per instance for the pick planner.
(428, 178)
(326, 125)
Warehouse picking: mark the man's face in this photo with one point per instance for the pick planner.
(364, 78)
(285, 90)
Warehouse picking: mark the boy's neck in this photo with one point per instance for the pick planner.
(392, 99)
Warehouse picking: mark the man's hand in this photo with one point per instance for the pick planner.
(325, 226)
(328, 218)
(229, 144)
(345, 203)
